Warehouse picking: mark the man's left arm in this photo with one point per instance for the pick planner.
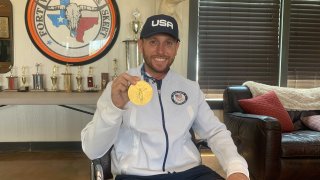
(209, 127)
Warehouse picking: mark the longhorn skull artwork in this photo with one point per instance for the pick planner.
(72, 13)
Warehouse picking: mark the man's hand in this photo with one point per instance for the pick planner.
(237, 176)
(119, 89)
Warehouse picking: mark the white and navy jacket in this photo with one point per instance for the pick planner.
(155, 138)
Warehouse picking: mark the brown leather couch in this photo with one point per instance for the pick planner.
(270, 154)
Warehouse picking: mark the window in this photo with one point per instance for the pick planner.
(240, 40)
(304, 44)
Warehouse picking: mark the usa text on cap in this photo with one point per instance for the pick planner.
(160, 24)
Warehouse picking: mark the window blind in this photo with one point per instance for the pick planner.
(304, 44)
(238, 41)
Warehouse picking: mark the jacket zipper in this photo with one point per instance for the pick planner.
(159, 83)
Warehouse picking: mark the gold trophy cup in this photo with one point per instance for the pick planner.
(79, 80)
(24, 87)
(67, 79)
(54, 79)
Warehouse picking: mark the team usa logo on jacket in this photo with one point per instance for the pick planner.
(179, 97)
(72, 31)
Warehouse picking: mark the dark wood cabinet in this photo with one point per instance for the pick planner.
(6, 36)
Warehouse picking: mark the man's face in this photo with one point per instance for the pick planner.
(158, 52)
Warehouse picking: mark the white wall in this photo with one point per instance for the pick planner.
(54, 123)
(40, 123)
(26, 54)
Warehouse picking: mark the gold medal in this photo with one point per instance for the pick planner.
(141, 93)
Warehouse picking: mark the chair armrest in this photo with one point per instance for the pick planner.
(101, 167)
(96, 170)
(258, 139)
(201, 144)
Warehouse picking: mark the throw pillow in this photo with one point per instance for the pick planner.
(312, 122)
(268, 105)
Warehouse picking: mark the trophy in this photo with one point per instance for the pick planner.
(54, 79)
(79, 80)
(23, 87)
(115, 68)
(104, 80)
(133, 57)
(136, 24)
(23, 77)
(90, 79)
(12, 81)
(67, 79)
(38, 80)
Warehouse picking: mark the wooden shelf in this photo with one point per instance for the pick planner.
(49, 98)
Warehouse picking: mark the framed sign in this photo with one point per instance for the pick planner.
(4, 27)
(74, 32)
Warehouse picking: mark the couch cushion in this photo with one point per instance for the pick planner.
(312, 122)
(304, 143)
(269, 105)
(296, 117)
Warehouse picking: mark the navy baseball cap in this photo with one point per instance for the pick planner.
(160, 24)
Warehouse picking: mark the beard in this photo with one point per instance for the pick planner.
(154, 69)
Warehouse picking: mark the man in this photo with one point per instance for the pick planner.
(153, 141)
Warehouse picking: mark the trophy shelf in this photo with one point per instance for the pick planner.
(49, 98)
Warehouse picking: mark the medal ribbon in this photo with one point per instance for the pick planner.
(148, 78)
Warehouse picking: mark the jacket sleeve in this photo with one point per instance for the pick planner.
(99, 134)
(209, 127)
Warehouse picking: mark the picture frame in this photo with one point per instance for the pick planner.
(4, 27)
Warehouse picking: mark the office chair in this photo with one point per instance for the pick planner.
(101, 167)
